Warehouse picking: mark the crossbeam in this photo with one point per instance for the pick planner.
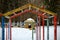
(27, 6)
(26, 11)
(16, 10)
(43, 10)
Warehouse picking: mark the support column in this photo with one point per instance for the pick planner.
(10, 29)
(43, 27)
(6, 32)
(55, 27)
(3, 29)
(39, 29)
(47, 29)
(37, 32)
(32, 32)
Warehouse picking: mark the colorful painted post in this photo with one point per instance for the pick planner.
(32, 32)
(6, 32)
(36, 32)
(3, 30)
(10, 29)
(43, 27)
(47, 28)
(39, 29)
(55, 27)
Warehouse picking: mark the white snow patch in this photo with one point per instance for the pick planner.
(26, 34)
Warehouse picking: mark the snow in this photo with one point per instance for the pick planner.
(0, 34)
(26, 34)
(21, 34)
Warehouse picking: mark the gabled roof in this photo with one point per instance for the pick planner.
(27, 6)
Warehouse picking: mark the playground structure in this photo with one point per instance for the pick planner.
(28, 8)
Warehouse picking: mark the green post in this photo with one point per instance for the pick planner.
(48, 29)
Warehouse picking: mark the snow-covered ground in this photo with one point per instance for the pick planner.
(26, 34)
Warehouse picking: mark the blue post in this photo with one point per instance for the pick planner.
(3, 30)
(8, 31)
(48, 29)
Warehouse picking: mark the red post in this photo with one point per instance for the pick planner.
(39, 29)
(55, 27)
(43, 24)
(10, 29)
(43, 27)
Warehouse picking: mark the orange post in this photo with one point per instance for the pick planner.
(55, 27)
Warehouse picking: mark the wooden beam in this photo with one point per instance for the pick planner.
(26, 6)
(43, 10)
(16, 10)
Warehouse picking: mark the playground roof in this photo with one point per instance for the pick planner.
(27, 6)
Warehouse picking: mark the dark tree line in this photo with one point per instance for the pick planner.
(7, 5)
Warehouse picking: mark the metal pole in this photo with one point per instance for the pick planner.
(47, 29)
(36, 32)
(10, 29)
(3, 30)
(6, 32)
(39, 29)
(55, 28)
(32, 32)
(43, 27)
